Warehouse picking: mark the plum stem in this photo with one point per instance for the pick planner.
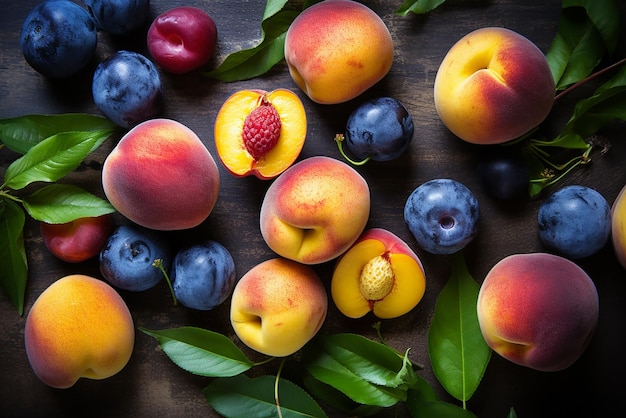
(158, 263)
(339, 138)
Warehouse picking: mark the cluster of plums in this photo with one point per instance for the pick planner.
(59, 38)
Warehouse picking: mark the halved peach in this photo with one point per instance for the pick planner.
(379, 273)
(260, 133)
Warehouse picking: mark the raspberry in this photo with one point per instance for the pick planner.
(261, 130)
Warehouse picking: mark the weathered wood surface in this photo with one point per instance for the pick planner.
(153, 386)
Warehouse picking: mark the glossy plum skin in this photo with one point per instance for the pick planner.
(203, 275)
(442, 215)
(182, 39)
(119, 17)
(58, 38)
(127, 88)
(380, 128)
(126, 261)
(575, 221)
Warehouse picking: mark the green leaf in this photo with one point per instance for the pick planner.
(201, 352)
(23, 132)
(605, 15)
(576, 49)
(62, 203)
(418, 6)
(458, 352)
(512, 413)
(13, 263)
(53, 157)
(425, 404)
(253, 62)
(241, 396)
(367, 372)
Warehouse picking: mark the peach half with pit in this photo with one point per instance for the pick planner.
(380, 273)
(278, 306)
(538, 310)
(161, 176)
(493, 86)
(315, 210)
(260, 133)
(337, 49)
(78, 327)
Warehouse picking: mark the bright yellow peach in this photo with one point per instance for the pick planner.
(538, 310)
(78, 327)
(278, 306)
(493, 85)
(161, 176)
(618, 226)
(379, 273)
(260, 133)
(337, 49)
(315, 210)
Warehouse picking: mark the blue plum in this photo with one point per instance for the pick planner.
(126, 261)
(58, 38)
(575, 221)
(380, 129)
(127, 88)
(442, 215)
(119, 17)
(504, 175)
(203, 275)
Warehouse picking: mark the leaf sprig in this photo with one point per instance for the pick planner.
(51, 147)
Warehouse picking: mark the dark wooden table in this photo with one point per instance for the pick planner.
(151, 385)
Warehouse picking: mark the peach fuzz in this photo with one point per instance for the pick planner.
(278, 306)
(379, 273)
(78, 327)
(493, 85)
(618, 226)
(268, 157)
(161, 176)
(538, 310)
(337, 49)
(315, 210)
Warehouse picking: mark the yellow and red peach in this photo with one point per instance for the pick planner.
(315, 210)
(337, 49)
(78, 240)
(78, 327)
(538, 310)
(278, 306)
(379, 273)
(493, 85)
(618, 226)
(260, 133)
(161, 176)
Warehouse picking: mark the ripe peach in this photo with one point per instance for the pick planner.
(78, 240)
(538, 310)
(618, 226)
(78, 327)
(315, 210)
(337, 49)
(278, 306)
(161, 176)
(260, 133)
(379, 273)
(493, 86)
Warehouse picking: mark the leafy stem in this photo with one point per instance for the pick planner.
(276, 398)
(158, 263)
(589, 78)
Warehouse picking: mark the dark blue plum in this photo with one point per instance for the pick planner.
(575, 221)
(119, 17)
(504, 176)
(126, 261)
(442, 215)
(58, 38)
(127, 88)
(203, 275)
(380, 129)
